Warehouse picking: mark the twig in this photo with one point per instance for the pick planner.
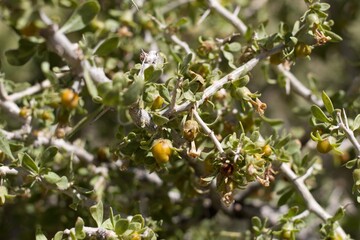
(29, 91)
(344, 125)
(99, 233)
(298, 87)
(229, 16)
(207, 130)
(312, 204)
(203, 17)
(217, 85)
(302, 215)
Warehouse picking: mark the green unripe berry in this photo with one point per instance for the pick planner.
(324, 146)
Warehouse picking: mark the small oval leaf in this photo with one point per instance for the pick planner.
(327, 102)
(107, 46)
(97, 213)
(319, 114)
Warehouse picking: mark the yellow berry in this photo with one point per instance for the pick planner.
(24, 112)
(267, 150)
(46, 116)
(162, 150)
(135, 236)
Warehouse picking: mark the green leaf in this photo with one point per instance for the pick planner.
(63, 184)
(340, 213)
(152, 75)
(45, 68)
(22, 54)
(5, 147)
(292, 212)
(3, 194)
(58, 235)
(79, 228)
(356, 123)
(230, 57)
(189, 95)
(52, 177)
(29, 163)
(334, 37)
(164, 92)
(285, 197)
(135, 226)
(233, 47)
(185, 64)
(97, 212)
(182, 21)
(107, 46)
(327, 102)
(350, 164)
(112, 219)
(81, 17)
(121, 226)
(39, 234)
(90, 85)
(138, 218)
(256, 222)
(48, 155)
(134, 91)
(324, 6)
(159, 119)
(319, 114)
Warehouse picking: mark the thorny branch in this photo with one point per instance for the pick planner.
(73, 56)
(312, 204)
(98, 233)
(207, 130)
(217, 85)
(300, 89)
(344, 125)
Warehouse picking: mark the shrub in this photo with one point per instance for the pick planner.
(179, 120)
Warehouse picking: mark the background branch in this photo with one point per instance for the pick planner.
(298, 87)
(229, 16)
